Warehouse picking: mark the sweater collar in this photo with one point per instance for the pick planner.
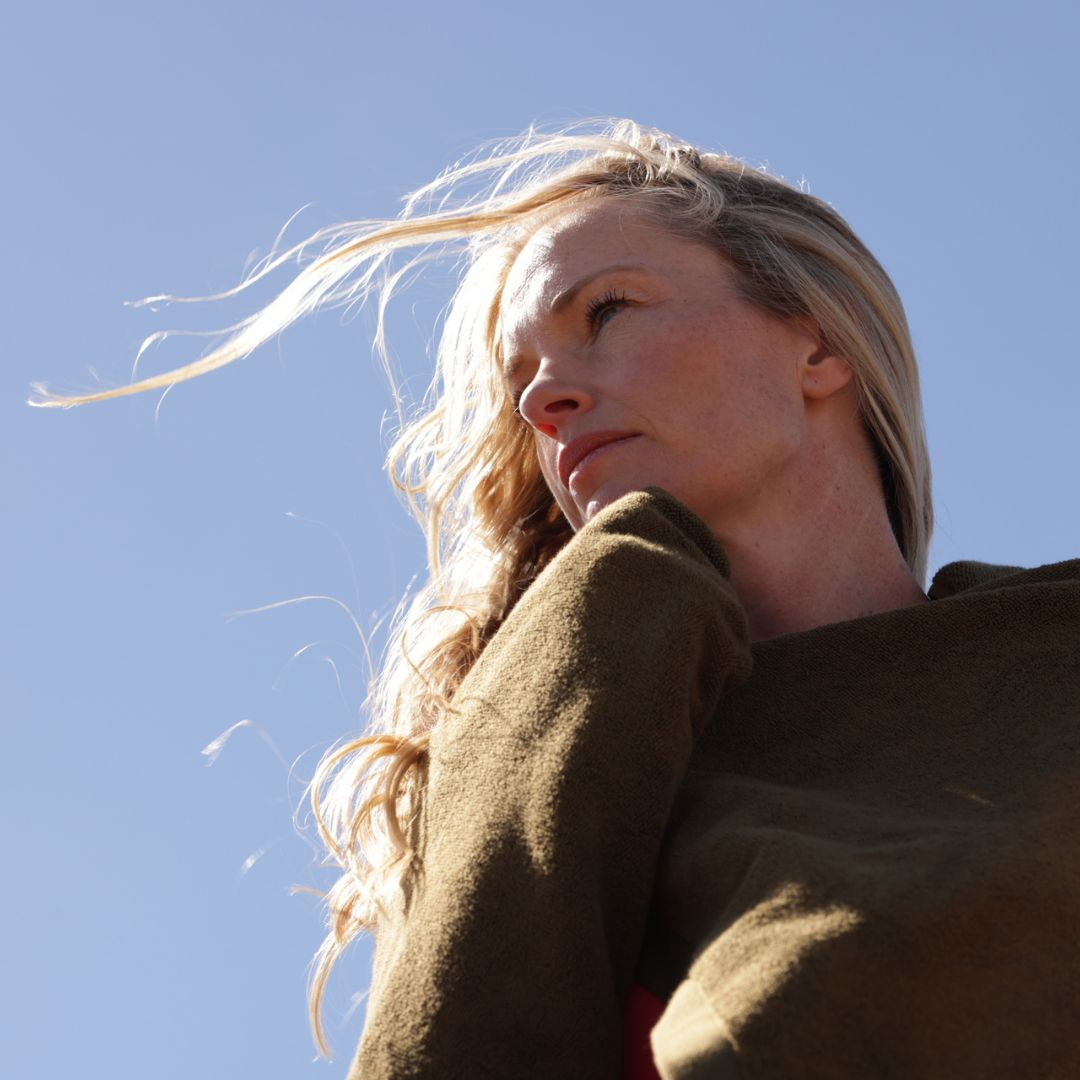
(971, 576)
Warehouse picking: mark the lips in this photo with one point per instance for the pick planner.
(573, 453)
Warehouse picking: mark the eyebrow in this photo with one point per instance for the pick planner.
(564, 299)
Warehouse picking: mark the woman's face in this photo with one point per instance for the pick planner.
(636, 362)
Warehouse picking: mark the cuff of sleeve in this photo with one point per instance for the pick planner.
(635, 513)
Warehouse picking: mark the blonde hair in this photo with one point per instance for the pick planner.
(465, 463)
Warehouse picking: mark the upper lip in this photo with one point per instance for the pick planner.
(572, 453)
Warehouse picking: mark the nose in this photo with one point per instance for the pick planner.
(552, 398)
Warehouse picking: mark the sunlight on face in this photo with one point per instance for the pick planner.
(636, 362)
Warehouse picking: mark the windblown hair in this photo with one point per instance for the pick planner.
(466, 463)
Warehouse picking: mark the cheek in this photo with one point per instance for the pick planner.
(545, 452)
(546, 455)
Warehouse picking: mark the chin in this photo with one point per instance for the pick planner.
(604, 496)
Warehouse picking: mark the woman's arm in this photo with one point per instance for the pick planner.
(549, 789)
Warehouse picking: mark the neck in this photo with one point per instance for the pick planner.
(831, 558)
(786, 596)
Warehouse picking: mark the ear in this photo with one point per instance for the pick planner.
(821, 372)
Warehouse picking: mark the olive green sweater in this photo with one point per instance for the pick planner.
(849, 852)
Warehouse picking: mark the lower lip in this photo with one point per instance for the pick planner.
(595, 455)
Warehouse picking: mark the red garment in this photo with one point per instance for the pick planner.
(641, 1014)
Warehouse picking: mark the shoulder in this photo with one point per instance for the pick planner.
(970, 576)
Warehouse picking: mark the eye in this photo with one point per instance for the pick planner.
(515, 394)
(603, 307)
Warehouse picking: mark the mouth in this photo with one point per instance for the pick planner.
(573, 455)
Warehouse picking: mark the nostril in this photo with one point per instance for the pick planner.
(560, 405)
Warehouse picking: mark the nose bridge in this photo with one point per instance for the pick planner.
(558, 367)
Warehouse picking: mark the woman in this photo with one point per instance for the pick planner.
(676, 770)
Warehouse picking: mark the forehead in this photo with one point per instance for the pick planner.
(580, 241)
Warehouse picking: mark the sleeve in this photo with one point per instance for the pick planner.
(550, 783)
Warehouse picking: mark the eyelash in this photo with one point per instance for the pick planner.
(609, 299)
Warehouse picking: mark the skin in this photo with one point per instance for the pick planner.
(742, 416)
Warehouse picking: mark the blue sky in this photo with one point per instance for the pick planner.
(152, 149)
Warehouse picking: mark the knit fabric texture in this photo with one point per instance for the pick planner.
(848, 852)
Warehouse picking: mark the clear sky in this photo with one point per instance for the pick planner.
(153, 148)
